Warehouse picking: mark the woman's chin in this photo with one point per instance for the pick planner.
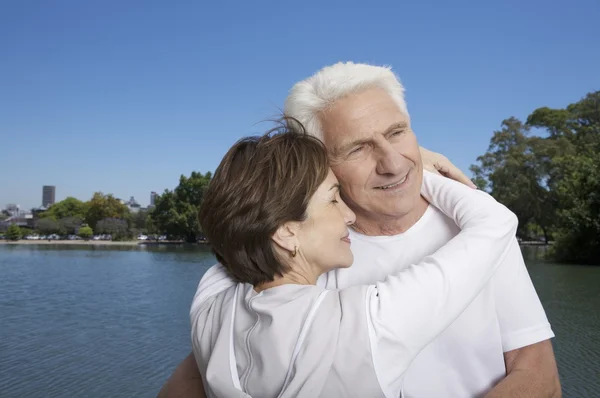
(347, 263)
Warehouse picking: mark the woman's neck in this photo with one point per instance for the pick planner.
(290, 278)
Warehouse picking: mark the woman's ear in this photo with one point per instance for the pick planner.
(286, 236)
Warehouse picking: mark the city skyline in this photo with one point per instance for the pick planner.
(11, 206)
(95, 97)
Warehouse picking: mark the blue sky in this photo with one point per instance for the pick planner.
(124, 96)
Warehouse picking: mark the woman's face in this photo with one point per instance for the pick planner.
(323, 236)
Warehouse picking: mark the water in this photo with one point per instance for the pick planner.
(113, 322)
(571, 297)
(94, 323)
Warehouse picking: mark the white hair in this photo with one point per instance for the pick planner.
(311, 97)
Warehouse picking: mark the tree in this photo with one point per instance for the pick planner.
(164, 216)
(573, 165)
(69, 225)
(115, 227)
(69, 207)
(13, 233)
(139, 221)
(102, 207)
(150, 226)
(48, 226)
(176, 212)
(511, 171)
(551, 180)
(85, 232)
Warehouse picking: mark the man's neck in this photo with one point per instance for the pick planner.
(388, 226)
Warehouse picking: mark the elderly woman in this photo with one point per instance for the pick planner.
(276, 222)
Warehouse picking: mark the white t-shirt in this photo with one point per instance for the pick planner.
(466, 360)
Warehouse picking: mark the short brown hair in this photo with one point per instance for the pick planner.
(261, 183)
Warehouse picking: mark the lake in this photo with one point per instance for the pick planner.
(113, 321)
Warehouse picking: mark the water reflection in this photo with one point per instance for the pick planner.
(535, 253)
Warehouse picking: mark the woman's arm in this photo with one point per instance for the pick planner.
(410, 308)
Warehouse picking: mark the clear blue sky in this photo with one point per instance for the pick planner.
(124, 96)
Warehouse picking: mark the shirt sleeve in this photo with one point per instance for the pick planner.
(409, 309)
(521, 317)
(214, 281)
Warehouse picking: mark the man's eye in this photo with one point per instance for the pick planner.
(356, 150)
(399, 132)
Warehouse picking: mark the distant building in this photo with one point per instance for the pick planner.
(22, 220)
(40, 209)
(13, 210)
(153, 196)
(48, 195)
(133, 205)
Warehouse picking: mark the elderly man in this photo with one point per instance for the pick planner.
(500, 345)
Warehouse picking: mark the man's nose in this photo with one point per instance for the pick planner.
(389, 161)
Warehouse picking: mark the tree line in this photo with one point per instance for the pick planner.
(102, 214)
(547, 171)
(174, 215)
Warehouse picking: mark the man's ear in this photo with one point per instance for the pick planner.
(286, 236)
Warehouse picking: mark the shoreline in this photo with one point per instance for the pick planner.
(92, 242)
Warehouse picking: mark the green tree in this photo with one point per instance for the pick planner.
(573, 164)
(176, 212)
(13, 232)
(69, 207)
(150, 226)
(48, 226)
(551, 180)
(69, 225)
(116, 227)
(85, 232)
(139, 221)
(512, 173)
(164, 216)
(102, 207)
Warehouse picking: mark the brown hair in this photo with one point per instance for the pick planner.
(261, 183)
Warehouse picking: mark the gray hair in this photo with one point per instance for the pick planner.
(311, 97)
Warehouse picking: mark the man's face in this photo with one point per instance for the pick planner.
(374, 154)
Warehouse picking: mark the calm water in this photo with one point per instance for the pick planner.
(84, 322)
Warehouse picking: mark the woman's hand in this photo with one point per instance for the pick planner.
(439, 164)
